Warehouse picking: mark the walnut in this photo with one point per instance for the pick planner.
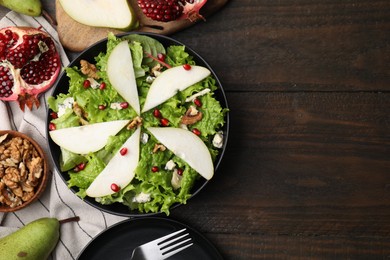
(137, 121)
(191, 116)
(27, 196)
(18, 191)
(79, 111)
(89, 69)
(35, 168)
(156, 70)
(158, 147)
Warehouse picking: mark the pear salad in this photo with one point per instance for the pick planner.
(139, 126)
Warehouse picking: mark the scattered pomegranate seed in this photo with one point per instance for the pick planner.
(102, 85)
(197, 102)
(86, 83)
(52, 127)
(156, 113)
(53, 115)
(115, 187)
(79, 167)
(82, 166)
(161, 56)
(187, 66)
(123, 151)
(196, 131)
(124, 105)
(164, 122)
(102, 107)
(180, 171)
(155, 169)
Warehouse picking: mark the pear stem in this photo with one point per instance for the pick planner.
(72, 219)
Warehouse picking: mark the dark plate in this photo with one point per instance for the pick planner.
(118, 241)
(62, 86)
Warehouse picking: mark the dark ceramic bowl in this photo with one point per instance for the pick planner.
(62, 86)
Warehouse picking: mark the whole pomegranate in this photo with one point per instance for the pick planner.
(170, 10)
(29, 65)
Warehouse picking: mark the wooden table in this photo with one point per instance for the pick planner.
(307, 169)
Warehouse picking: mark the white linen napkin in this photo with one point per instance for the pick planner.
(57, 201)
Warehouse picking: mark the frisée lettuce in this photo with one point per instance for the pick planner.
(161, 178)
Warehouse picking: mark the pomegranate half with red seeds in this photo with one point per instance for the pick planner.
(171, 10)
(29, 65)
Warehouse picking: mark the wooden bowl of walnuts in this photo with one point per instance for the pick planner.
(23, 170)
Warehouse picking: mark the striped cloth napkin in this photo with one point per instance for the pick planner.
(57, 201)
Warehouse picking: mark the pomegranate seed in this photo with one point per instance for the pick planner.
(115, 187)
(102, 85)
(86, 83)
(197, 102)
(155, 169)
(123, 151)
(124, 105)
(187, 66)
(81, 166)
(52, 127)
(180, 171)
(102, 107)
(164, 122)
(161, 56)
(53, 115)
(163, 11)
(196, 131)
(157, 113)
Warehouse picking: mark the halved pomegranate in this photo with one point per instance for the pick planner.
(170, 10)
(29, 65)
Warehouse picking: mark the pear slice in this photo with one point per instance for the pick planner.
(187, 146)
(119, 170)
(172, 80)
(120, 72)
(87, 138)
(101, 13)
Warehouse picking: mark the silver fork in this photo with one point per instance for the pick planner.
(163, 247)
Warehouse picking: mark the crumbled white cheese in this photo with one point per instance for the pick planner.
(142, 198)
(150, 79)
(183, 126)
(200, 93)
(193, 111)
(68, 103)
(144, 138)
(94, 83)
(116, 105)
(218, 140)
(176, 180)
(170, 165)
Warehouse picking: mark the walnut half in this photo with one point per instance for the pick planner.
(191, 116)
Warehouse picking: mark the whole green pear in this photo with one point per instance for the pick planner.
(35, 241)
(27, 7)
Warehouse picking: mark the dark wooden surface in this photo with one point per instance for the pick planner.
(307, 170)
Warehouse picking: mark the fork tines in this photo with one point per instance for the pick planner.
(174, 242)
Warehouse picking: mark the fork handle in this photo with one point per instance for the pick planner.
(137, 255)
